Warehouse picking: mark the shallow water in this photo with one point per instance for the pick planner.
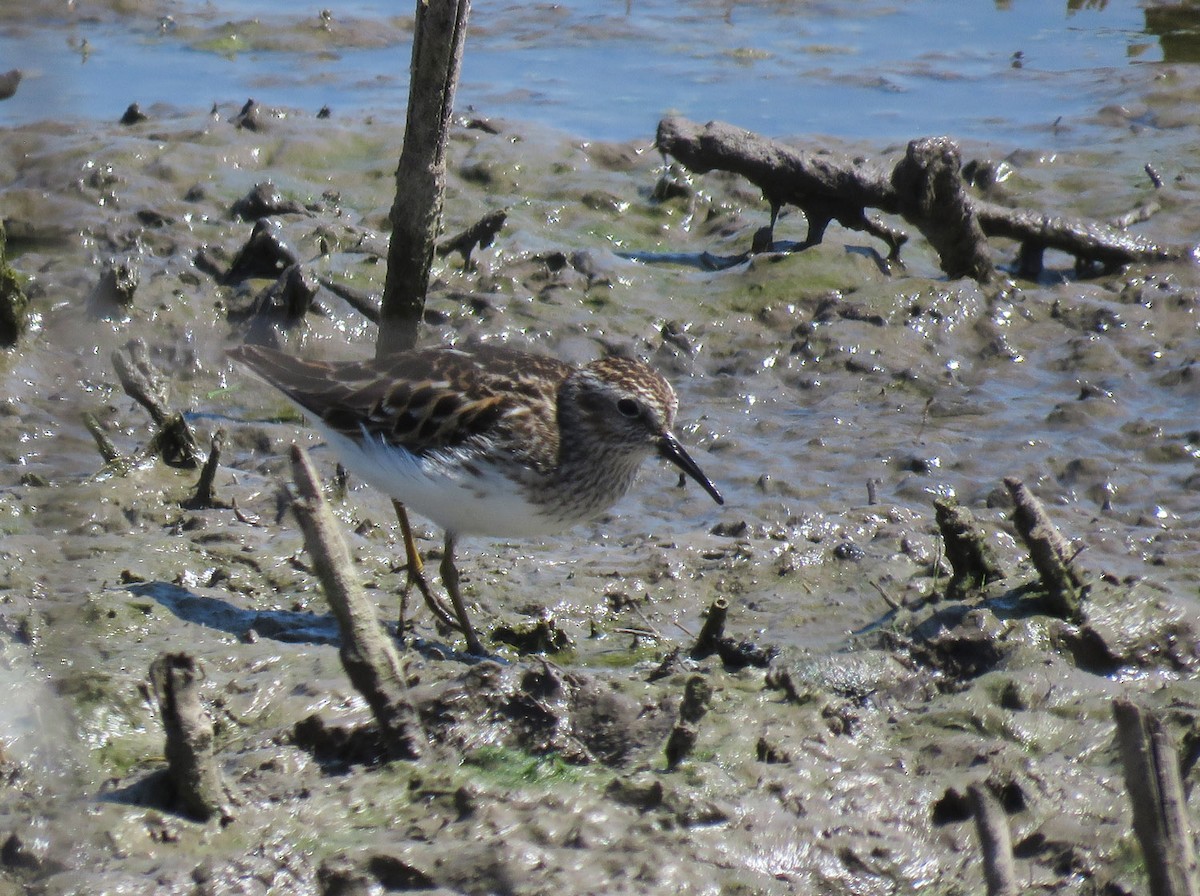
(609, 70)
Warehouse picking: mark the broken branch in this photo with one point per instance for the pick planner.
(925, 188)
(367, 655)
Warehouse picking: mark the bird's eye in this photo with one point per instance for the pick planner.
(629, 408)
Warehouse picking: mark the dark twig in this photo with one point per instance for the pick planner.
(191, 767)
(107, 449)
(734, 654)
(1159, 808)
(713, 630)
(367, 654)
(362, 302)
(995, 841)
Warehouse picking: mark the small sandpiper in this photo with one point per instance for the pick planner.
(487, 440)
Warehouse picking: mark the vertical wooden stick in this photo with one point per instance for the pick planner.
(994, 839)
(438, 40)
(199, 788)
(1159, 811)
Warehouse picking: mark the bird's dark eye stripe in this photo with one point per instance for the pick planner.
(629, 407)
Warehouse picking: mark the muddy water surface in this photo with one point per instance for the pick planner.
(802, 378)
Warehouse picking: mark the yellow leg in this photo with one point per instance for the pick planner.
(416, 574)
(450, 580)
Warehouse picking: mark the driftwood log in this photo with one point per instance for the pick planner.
(925, 188)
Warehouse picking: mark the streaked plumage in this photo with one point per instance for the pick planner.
(488, 440)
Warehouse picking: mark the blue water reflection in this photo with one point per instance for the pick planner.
(610, 70)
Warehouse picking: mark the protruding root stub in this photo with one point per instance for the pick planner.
(145, 384)
(366, 652)
(205, 496)
(713, 631)
(191, 767)
(995, 840)
(1160, 817)
(1049, 551)
(972, 560)
(697, 694)
(734, 654)
(481, 234)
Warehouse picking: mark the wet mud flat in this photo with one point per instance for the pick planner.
(834, 400)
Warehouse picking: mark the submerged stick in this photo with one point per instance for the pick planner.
(994, 840)
(1159, 809)
(191, 768)
(366, 653)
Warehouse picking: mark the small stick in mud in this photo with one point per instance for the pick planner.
(709, 640)
(144, 383)
(1159, 807)
(734, 654)
(104, 444)
(205, 496)
(191, 768)
(697, 694)
(873, 491)
(1049, 551)
(367, 655)
(972, 560)
(362, 302)
(995, 841)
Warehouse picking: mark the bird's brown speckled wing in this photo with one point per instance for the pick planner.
(426, 399)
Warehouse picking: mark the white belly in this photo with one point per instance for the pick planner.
(441, 490)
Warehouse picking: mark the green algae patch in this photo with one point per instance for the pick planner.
(506, 767)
